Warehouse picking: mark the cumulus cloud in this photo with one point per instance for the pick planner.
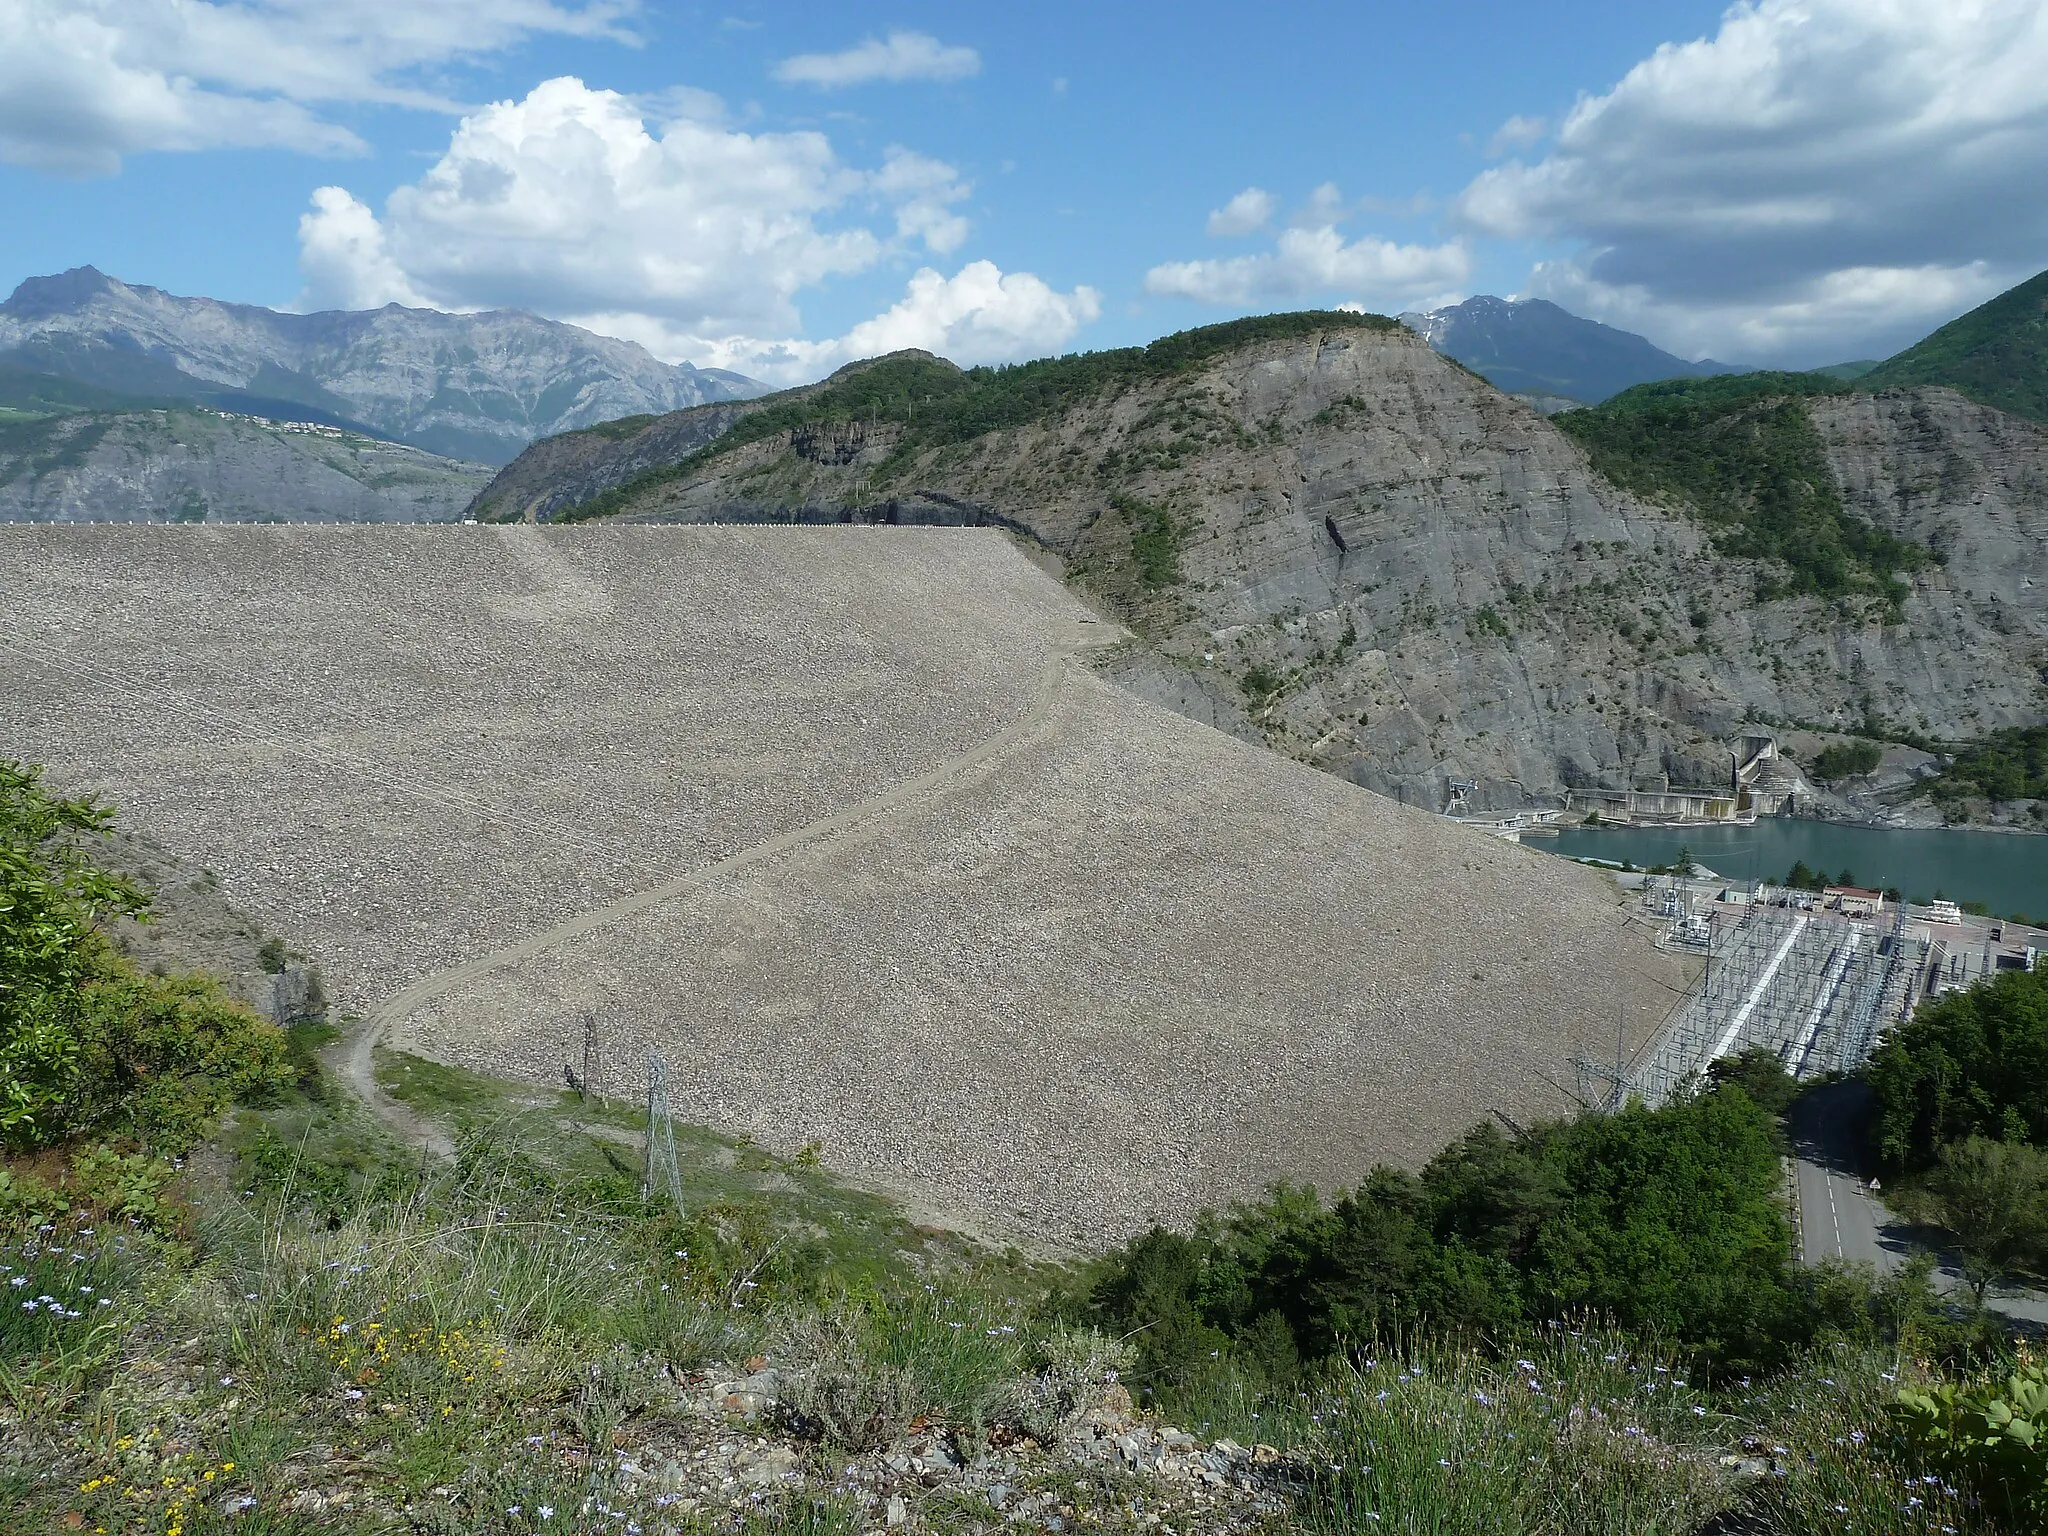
(85, 82)
(979, 315)
(341, 251)
(1247, 211)
(898, 57)
(689, 237)
(1518, 132)
(1818, 175)
(1311, 260)
(567, 200)
(923, 191)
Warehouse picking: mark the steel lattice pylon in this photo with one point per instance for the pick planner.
(660, 1169)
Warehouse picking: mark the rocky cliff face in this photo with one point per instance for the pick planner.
(201, 466)
(476, 386)
(1368, 557)
(559, 472)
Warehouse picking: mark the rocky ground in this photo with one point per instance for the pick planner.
(192, 927)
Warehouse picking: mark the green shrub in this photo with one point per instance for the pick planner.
(1157, 538)
(27, 1202)
(1989, 1437)
(1077, 1369)
(87, 1043)
(1666, 1221)
(1742, 452)
(855, 1404)
(1801, 878)
(120, 1184)
(2006, 765)
(52, 897)
(1846, 760)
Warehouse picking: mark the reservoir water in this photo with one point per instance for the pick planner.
(2006, 871)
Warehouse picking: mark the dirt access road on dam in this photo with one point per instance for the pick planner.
(357, 1055)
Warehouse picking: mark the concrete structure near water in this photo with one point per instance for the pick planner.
(1760, 783)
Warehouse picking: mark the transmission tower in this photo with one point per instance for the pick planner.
(660, 1169)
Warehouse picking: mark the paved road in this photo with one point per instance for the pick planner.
(1839, 1218)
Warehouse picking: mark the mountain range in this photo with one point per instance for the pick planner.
(1532, 347)
(470, 386)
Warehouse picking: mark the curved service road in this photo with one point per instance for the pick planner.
(360, 1058)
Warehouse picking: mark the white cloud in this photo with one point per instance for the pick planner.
(1518, 132)
(980, 315)
(341, 250)
(1318, 263)
(1871, 311)
(923, 191)
(567, 201)
(1311, 260)
(1324, 209)
(688, 237)
(1819, 175)
(901, 56)
(85, 82)
(1244, 213)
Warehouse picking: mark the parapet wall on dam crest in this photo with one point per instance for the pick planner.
(841, 822)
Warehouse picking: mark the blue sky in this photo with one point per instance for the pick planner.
(777, 187)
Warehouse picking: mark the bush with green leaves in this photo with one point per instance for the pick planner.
(1846, 759)
(1667, 1221)
(1742, 452)
(52, 898)
(1988, 1436)
(1992, 1197)
(2006, 765)
(88, 1044)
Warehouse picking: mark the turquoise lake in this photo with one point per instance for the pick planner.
(2008, 872)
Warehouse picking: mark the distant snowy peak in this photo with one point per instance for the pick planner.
(477, 386)
(1532, 347)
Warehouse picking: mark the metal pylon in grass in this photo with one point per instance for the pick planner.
(660, 1171)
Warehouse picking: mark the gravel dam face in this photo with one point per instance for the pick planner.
(838, 819)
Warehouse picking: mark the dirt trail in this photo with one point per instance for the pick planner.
(357, 1055)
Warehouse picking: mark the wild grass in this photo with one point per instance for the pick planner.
(499, 1345)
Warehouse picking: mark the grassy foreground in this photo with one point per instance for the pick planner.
(282, 1339)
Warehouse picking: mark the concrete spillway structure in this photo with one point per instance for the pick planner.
(838, 819)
